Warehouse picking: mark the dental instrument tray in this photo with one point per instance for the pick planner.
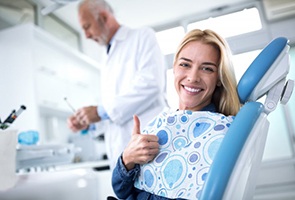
(43, 157)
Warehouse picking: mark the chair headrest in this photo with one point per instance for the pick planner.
(257, 76)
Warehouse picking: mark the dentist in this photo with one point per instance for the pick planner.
(133, 80)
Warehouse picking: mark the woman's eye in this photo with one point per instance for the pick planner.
(208, 69)
(184, 65)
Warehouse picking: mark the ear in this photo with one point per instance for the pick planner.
(103, 16)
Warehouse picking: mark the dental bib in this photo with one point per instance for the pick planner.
(188, 143)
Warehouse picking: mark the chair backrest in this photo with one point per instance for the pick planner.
(233, 172)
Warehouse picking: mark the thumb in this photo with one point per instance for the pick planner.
(136, 127)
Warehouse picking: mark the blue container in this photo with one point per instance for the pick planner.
(30, 137)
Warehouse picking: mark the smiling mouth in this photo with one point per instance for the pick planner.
(194, 90)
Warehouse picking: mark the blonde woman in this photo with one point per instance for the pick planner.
(169, 159)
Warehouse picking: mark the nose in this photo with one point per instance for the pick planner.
(87, 34)
(193, 76)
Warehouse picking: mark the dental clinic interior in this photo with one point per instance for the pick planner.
(48, 69)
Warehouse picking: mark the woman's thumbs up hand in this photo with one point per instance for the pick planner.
(141, 148)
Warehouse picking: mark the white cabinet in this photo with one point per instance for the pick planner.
(65, 72)
(38, 71)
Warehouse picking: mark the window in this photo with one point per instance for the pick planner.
(232, 24)
(169, 39)
(242, 61)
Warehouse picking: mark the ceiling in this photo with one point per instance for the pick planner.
(154, 13)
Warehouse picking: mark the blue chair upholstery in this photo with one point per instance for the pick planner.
(259, 67)
(235, 167)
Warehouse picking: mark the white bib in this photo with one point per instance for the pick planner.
(188, 143)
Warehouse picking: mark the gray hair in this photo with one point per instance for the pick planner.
(95, 6)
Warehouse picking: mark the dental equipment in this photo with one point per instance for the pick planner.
(11, 118)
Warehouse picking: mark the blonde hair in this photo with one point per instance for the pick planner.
(224, 97)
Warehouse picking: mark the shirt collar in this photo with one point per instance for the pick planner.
(121, 34)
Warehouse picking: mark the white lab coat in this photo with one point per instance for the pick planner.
(133, 82)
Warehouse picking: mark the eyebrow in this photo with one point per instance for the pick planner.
(204, 63)
(186, 59)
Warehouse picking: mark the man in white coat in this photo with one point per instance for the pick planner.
(133, 80)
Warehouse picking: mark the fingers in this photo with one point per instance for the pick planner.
(147, 156)
(149, 152)
(136, 127)
(152, 138)
(147, 142)
(136, 130)
(130, 157)
(74, 124)
(145, 149)
(87, 115)
(140, 149)
(82, 116)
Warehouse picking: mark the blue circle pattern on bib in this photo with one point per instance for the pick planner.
(188, 143)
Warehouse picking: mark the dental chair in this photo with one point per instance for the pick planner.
(236, 165)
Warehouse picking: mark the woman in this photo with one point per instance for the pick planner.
(206, 86)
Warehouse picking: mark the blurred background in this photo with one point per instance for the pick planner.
(45, 57)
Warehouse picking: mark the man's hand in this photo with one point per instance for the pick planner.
(75, 125)
(83, 118)
(87, 115)
(141, 148)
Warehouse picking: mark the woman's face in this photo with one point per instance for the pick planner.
(196, 75)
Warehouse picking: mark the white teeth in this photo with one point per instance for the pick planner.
(191, 89)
